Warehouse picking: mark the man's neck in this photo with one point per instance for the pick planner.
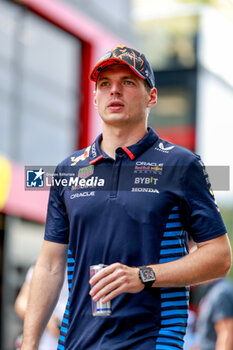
(114, 137)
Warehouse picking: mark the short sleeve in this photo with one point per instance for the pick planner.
(57, 223)
(202, 215)
(223, 307)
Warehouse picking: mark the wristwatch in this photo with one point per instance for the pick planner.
(147, 276)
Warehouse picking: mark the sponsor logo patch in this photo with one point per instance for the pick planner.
(164, 149)
(148, 168)
(83, 173)
(82, 194)
(93, 150)
(144, 189)
(81, 157)
(145, 180)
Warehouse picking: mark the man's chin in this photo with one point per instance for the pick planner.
(116, 118)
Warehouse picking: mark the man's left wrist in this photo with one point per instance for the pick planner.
(147, 276)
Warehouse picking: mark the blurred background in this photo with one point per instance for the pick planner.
(47, 49)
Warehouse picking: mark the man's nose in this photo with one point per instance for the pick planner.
(116, 88)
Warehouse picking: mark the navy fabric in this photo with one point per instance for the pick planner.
(136, 210)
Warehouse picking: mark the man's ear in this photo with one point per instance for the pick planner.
(153, 98)
(94, 99)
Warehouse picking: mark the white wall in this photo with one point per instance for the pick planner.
(215, 95)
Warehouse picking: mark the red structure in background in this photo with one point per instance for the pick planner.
(95, 40)
(180, 135)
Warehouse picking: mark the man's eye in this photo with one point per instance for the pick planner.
(104, 83)
(128, 82)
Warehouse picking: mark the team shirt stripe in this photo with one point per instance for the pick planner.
(65, 320)
(171, 234)
(175, 242)
(177, 303)
(167, 347)
(174, 301)
(174, 312)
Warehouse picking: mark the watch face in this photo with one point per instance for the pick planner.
(147, 275)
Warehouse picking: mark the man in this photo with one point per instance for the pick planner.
(135, 198)
(215, 321)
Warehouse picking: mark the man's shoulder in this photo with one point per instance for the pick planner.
(220, 300)
(175, 152)
(223, 288)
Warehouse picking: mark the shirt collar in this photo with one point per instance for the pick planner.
(133, 151)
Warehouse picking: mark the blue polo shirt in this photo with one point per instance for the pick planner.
(136, 210)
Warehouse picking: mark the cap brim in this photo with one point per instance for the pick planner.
(99, 67)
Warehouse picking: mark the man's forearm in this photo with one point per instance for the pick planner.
(43, 296)
(209, 261)
(44, 292)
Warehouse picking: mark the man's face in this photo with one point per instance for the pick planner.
(121, 97)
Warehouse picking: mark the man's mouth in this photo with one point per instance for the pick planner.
(115, 106)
